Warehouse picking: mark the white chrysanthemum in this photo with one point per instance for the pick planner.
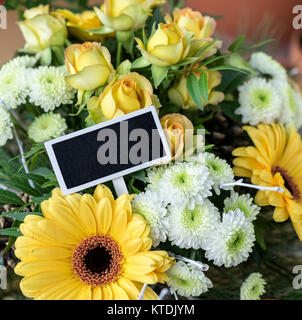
(49, 89)
(21, 61)
(253, 287)
(186, 280)
(154, 212)
(13, 86)
(267, 66)
(6, 125)
(220, 171)
(298, 106)
(154, 175)
(230, 242)
(259, 102)
(185, 184)
(47, 126)
(291, 112)
(242, 202)
(188, 227)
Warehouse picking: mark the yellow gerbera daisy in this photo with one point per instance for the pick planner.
(88, 247)
(275, 160)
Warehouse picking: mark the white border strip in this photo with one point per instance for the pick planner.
(57, 170)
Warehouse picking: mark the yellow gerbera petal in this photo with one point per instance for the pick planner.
(280, 214)
(97, 294)
(103, 215)
(118, 292)
(107, 293)
(101, 192)
(118, 225)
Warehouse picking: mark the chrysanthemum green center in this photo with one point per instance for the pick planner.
(193, 218)
(97, 260)
(236, 241)
(261, 99)
(182, 180)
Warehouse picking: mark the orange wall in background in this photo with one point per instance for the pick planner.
(240, 17)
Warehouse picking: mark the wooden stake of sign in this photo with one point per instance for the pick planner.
(75, 157)
(120, 186)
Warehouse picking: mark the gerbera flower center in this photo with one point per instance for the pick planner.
(97, 260)
(289, 182)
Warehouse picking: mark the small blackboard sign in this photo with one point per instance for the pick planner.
(108, 150)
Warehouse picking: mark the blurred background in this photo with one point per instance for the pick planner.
(258, 19)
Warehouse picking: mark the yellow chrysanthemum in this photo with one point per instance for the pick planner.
(88, 247)
(275, 160)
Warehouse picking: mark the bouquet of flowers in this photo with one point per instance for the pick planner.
(199, 225)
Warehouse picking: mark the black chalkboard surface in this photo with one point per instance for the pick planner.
(108, 150)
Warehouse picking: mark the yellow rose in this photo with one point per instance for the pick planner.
(42, 31)
(202, 27)
(78, 24)
(193, 21)
(128, 93)
(30, 13)
(179, 95)
(179, 133)
(166, 47)
(89, 65)
(125, 15)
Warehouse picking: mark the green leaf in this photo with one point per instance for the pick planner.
(34, 149)
(30, 176)
(124, 67)
(22, 186)
(159, 74)
(50, 184)
(228, 108)
(11, 239)
(86, 97)
(225, 67)
(8, 197)
(59, 54)
(203, 87)
(46, 57)
(260, 239)
(39, 200)
(20, 216)
(140, 175)
(13, 232)
(237, 44)
(194, 90)
(140, 63)
(43, 172)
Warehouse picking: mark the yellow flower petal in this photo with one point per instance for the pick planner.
(97, 294)
(118, 225)
(103, 215)
(118, 292)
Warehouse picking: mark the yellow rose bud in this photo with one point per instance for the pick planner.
(89, 65)
(131, 92)
(179, 133)
(202, 28)
(30, 13)
(79, 24)
(42, 31)
(193, 21)
(166, 47)
(125, 15)
(179, 95)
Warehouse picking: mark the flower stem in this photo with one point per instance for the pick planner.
(119, 53)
